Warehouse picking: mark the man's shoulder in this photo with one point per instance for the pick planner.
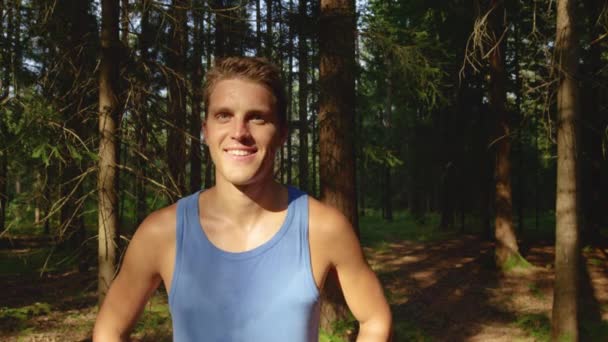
(326, 221)
(159, 225)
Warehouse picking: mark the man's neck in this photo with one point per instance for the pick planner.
(244, 205)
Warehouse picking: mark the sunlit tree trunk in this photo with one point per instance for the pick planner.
(197, 97)
(176, 139)
(567, 254)
(108, 128)
(504, 233)
(303, 96)
(336, 127)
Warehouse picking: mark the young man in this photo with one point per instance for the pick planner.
(244, 260)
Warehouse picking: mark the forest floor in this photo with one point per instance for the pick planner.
(443, 290)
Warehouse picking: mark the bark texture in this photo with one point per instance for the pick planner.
(567, 254)
(108, 127)
(336, 128)
(507, 250)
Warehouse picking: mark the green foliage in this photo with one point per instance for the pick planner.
(376, 232)
(155, 322)
(15, 318)
(408, 331)
(536, 291)
(594, 331)
(515, 262)
(537, 326)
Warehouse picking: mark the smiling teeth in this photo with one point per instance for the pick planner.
(239, 152)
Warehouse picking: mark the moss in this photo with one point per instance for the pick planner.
(515, 262)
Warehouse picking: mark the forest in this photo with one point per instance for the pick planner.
(466, 141)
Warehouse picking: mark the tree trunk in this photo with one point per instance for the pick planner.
(290, 96)
(268, 42)
(336, 127)
(176, 139)
(258, 29)
(388, 206)
(303, 96)
(141, 112)
(197, 97)
(506, 243)
(207, 159)
(108, 127)
(567, 254)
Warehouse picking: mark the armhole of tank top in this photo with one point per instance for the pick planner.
(306, 227)
(179, 237)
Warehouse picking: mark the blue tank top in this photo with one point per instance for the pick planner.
(265, 294)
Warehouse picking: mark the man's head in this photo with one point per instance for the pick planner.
(254, 69)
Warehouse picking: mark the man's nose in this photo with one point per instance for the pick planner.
(240, 130)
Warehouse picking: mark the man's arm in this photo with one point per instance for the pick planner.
(362, 289)
(138, 278)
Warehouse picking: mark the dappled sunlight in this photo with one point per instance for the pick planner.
(452, 291)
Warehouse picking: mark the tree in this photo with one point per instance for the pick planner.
(303, 95)
(176, 106)
(197, 96)
(108, 127)
(507, 250)
(336, 126)
(567, 254)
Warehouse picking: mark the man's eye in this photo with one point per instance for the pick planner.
(222, 116)
(257, 118)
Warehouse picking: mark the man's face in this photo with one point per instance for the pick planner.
(242, 131)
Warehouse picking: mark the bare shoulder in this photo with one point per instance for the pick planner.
(154, 239)
(159, 225)
(326, 220)
(331, 234)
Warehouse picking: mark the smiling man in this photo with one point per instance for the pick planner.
(246, 259)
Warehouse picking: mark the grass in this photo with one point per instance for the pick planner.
(536, 325)
(14, 319)
(377, 232)
(35, 261)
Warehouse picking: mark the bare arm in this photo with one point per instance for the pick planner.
(138, 279)
(362, 289)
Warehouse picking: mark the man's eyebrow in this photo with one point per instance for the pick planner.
(219, 109)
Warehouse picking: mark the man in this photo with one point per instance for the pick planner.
(244, 260)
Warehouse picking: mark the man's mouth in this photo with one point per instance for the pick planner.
(241, 152)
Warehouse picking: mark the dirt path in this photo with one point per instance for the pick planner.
(444, 291)
(450, 291)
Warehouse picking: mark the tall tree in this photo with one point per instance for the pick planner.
(336, 126)
(303, 94)
(567, 254)
(197, 96)
(5, 52)
(268, 41)
(108, 128)
(141, 110)
(176, 106)
(506, 242)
